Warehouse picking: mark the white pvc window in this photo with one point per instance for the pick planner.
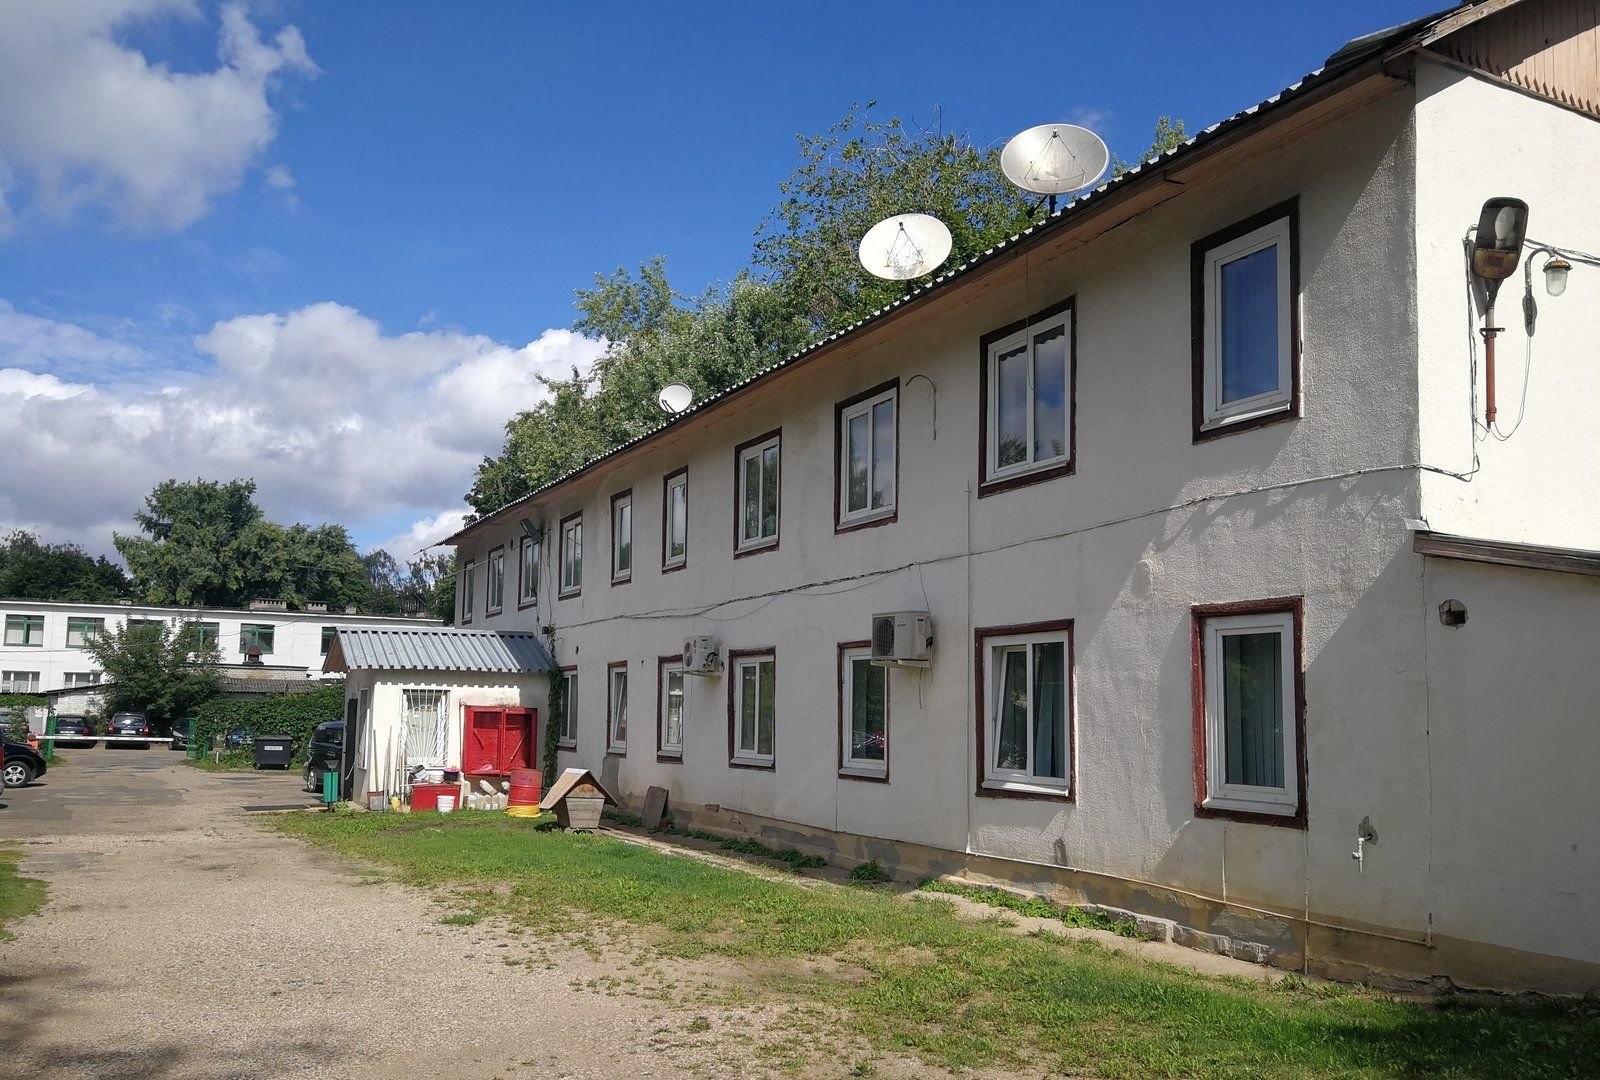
(569, 721)
(865, 700)
(19, 682)
(622, 538)
(674, 701)
(1028, 729)
(617, 725)
(571, 556)
(675, 542)
(528, 571)
(74, 679)
(465, 586)
(758, 494)
(425, 713)
(1030, 403)
(867, 459)
(1252, 762)
(753, 710)
(497, 582)
(1248, 370)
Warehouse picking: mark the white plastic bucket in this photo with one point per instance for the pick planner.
(447, 803)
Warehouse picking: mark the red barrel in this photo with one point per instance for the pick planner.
(526, 786)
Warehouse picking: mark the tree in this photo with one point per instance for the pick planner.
(162, 669)
(207, 543)
(424, 586)
(1168, 135)
(31, 570)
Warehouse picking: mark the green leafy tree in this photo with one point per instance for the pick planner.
(162, 669)
(413, 589)
(1168, 135)
(32, 570)
(205, 542)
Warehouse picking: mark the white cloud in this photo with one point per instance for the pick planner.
(424, 533)
(88, 121)
(336, 420)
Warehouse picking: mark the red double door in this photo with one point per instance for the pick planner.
(499, 739)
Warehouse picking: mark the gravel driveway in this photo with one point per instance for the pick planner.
(181, 940)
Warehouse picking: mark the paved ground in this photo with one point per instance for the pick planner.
(183, 942)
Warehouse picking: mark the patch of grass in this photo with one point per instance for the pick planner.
(1037, 907)
(917, 978)
(19, 895)
(464, 918)
(869, 872)
(744, 845)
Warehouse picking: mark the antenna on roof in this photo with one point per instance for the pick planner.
(674, 398)
(1054, 160)
(905, 246)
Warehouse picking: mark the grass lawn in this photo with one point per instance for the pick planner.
(961, 993)
(19, 895)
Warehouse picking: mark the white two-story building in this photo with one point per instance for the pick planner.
(1241, 617)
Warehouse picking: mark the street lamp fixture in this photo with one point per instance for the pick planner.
(1496, 249)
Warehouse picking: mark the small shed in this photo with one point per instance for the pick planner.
(577, 797)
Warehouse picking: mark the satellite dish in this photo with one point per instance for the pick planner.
(905, 246)
(674, 398)
(1054, 159)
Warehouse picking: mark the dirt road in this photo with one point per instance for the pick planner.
(182, 941)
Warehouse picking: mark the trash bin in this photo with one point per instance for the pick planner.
(273, 751)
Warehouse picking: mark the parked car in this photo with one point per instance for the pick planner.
(74, 725)
(23, 764)
(180, 733)
(325, 751)
(128, 723)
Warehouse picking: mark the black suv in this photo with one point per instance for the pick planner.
(23, 765)
(325, 751)
(128, 723)
(82, 735)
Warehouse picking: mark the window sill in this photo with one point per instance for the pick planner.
(1259, 813)
(755, 548)
(568, 747)
(524, 605)
(764, 764)
(490, 613)
(667, 568)
(1246, 421)
(574, 594)
(616, 751)
(858, 772)
(1037, 474)
(867, 521)
(670, 757)
(1011, 789)
(623, 580)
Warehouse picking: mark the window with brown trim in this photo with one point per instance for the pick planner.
(866, 439)
(1245, 310)
(1249, 712)
(617, 708)
(1025, 710)
(756, 491)
(497, 582)
(568, 737)
(622, 537)
(1027, 409)
(672, 707)
(675, 520)
(752, 700)
(863, 714)
(464, 585)
(527, 572)
(571, 556)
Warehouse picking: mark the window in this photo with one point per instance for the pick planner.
(25, 630)
(81, 631)
(622, 537)
(1245, 286)
(425, 713)
(671, 699)
(866, 434)
(863, 714)
(1025, 710)
(497, 582)
(675, 521)
(1247, 732)
(571, 555)
(465, 585)
(19, 682)
(751, 696)
(329, 635)
(207, 634)
(76, 679)
(1027, 385)
(528, 572)
(135, 624)
(757, 502)
(258, 634)
(617, 709)
(569, 705)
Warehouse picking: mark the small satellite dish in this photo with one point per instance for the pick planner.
(674, 398)
(905, 246)
(1054, 159)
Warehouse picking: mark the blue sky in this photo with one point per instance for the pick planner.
(327, 244)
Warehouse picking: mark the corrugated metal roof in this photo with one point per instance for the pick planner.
(445, 649)
(1395, 40)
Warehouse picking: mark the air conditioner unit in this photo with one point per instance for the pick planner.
(903, 638)
(702, 655)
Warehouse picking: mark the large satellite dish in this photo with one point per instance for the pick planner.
(905, 246)
(674, 398)
(1054, 159)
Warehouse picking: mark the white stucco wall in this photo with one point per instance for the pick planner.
(1477, 139)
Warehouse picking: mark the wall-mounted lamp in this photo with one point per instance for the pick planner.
(1496, 249)
(1555, 276)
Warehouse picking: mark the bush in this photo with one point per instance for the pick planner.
(14, 714)
(293, 715)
